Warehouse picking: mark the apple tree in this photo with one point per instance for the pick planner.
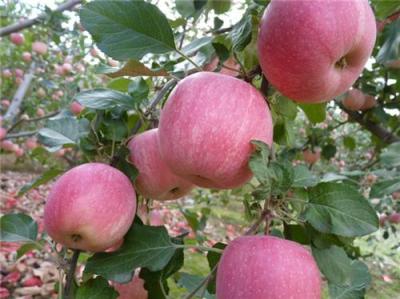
(290, 108)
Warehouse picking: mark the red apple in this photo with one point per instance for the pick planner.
(67, 68)
(31, 143)
(155, 180)
(230, 62)
(260, 267)
(156, 218)
(40, 112)
(354, 100)
(6, 103)
(369, 102)
(19, 152)
(132, 290)
(59, 70)
(313, 51)
(17, 38)
(76, 108)
(39, 47)
(32, 281)
(7, 145)
(206, 127)
(7, 73)
(27, 57)
(19, 73)
(396, 195)
(90, 207)
(18, 80)
(3, 133)
(394, 218)
(311, 156)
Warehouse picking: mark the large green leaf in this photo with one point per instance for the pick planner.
(18, 228)
(303, 177)
(213, 259)
(103, 99)
(241, 33)
(390, 156)
(40, 180)
(340, 209)
(96, 288)
(127, 29)
(390, 50)
(144, 246)
(385, 187)
(65, 130)
(316, 113)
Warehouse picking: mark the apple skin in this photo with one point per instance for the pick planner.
(313, 51)
(3, 133)
(132, 290)
(7, 73)
(39, 47)
(311, 157)
(394, 218)
(27, 57)
(259, 267)
(206, 127)
(155, 179)
(369, 102)
(354, 100)
(76, 108)
(90, 207)
(17, 38)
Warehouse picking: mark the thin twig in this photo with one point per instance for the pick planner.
(159, 96)
(71, 275)
(22, 120)
(203, 282)
(21, 134)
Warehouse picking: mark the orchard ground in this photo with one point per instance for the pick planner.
(225, 223)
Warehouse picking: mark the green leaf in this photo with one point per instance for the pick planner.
(127, 29)
(213, 259)
(390, 155)
(340, 209)
(96, 288)
(103, 99)
(284, 106)
(384, 9)
(259, 160)
(390, 50)
(297, 233)
(133, 68)
(26, 248)
(220, 6)
(241, 33)
(62, 131)
(18, 228)
(139, 89)
(119, 84)
(349, 142)
(144, 246)
(195, 45)
(316, 113)
(386, 187)
(40, 180)
(303, 177)
(190, 282)
(328, 151)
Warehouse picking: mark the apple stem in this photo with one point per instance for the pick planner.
(71, 275)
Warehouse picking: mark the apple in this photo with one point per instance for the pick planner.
(156, 218)
(313, 51)
(3, 133)
(230, 62)
(27, 57)
(396, 195)
(267, 267)
(155, 179)
(76, 108)
(369, 102)
(7, 73)
(311, 156)
(41, 93)
(354, 100)
(132, 290)
(39, 47)
(90, 207)
(40, 112)
(17, 38)
(18, 151)
(18, 80)
(6, 103)
(394, 218)
(206, 128)
(31, 143)
(59, 70)
(19, 73)
(67, 68)
(7, 145)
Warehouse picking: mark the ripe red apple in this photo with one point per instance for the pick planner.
(369, 102)
(39, 47)
(3, 133)
(90, 207)
(311, 156)
(206, 127)
(31, 143)
(313, 51)
(354, 100)
(59, 70)
(67, 68)
(396, 195)
(132, 290)
(17, 38)
(18, 151)
(19, 73)
(7, 145)
(27, 57)
(6, 103)
(258, 267)
(7, 73)
(394, 218)
(76, 108)
(155, 180)
(230, 62)
(40, 112)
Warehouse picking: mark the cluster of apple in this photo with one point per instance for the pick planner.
(356, 100)
(309, 51)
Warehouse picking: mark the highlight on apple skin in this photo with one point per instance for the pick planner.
(313, 51)
(206, 128)
(155, 179)
(90, 207)
(261, 267)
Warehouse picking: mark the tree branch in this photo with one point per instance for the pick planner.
(383, 134)
(14, 108)
(71, 275)
(159, 96)
(32, 120)
(21, 134)
(28, 23)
